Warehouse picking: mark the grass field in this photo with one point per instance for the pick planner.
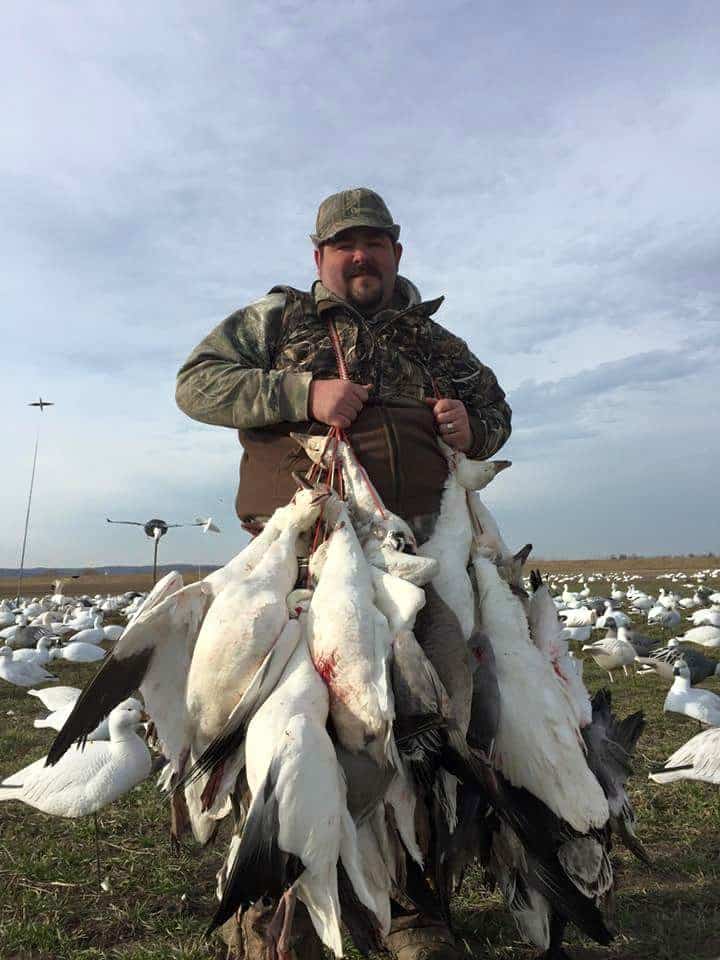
(159, 903)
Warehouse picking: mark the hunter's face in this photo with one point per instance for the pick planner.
(360, 265)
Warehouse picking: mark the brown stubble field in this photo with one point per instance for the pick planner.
(159, 902)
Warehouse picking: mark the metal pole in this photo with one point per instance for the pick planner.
(27, 516)
(157, 541)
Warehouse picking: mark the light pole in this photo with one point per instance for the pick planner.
(41, 404)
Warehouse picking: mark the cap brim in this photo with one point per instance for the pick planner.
(393, 230)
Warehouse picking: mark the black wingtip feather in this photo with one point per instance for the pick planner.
(361, 923)
(260, 867)
(116, 680)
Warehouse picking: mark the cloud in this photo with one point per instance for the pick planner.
(554, 171)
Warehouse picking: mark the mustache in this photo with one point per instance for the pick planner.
(362, 271)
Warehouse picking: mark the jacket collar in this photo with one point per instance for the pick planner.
(406, 296)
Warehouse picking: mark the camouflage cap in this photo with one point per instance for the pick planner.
(359, 207)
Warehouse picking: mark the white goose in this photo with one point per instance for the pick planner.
(452, 537)
(243, 623)
(298, 808)
(538, 742)
(350, 642)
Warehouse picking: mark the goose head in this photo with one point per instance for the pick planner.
(477, 474)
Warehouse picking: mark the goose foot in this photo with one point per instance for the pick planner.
(279, 929)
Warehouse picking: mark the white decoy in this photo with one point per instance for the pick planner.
(298, 808)
(78, 653)
(621, 619)
(698, 759)
(21, 673)
(706, 636)
(40, 655)
(56, 719)
(579, 634)
(94, 634)
(706, 618)
(55, 698)
(663, 616)
(642, 602)
(112, 632)
(538, 738)
(693, 702)
(579, 617)
(86, 780)
(612, 652)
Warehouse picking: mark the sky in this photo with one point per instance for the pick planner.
(555, 170)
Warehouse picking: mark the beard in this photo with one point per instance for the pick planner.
(365, 290)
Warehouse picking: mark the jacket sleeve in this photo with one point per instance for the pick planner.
(228, 379)
(476, 385)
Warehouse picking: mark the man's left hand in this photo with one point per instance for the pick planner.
(452, 422)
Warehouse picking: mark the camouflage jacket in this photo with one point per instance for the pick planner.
(254, 369)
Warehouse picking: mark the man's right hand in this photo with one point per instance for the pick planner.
(337, 402)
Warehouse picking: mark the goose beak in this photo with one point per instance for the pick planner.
(501, 465)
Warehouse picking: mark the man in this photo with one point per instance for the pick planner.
(277, 366)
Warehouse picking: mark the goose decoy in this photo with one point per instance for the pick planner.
(611, 653)
(698, 759)
(663, 661)
(706, 636)
(21, 673)
(693, 702)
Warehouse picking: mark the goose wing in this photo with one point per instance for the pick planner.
(152, 640)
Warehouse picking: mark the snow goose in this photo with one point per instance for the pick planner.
(693, 702)
(350, 642)
(298, 834)
(451, 539)
(538, 744)
(242, 626)
(387, 540)
(547, 635)
(698, 759)
(21, 673)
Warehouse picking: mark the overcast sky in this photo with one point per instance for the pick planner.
(555, 170)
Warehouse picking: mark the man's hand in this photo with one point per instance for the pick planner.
(337, 402)
(452, 422)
